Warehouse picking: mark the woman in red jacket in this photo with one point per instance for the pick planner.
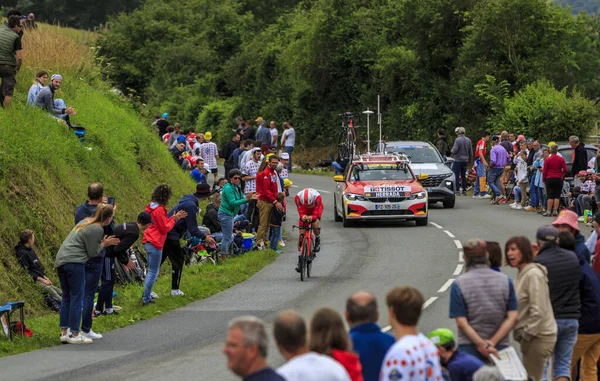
(328, 336)
(156, 234)
(553, 173)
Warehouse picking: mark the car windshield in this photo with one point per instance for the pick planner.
(417, 154)
(369, 172)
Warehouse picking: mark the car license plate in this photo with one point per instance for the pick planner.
(429, 190)
(387, 206)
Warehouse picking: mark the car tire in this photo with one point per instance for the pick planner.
(450, 203)
(345, 222)
(336, 215)
(422, 221)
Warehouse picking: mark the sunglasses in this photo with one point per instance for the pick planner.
(236, 178)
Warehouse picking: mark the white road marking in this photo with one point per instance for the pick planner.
(436, 225)
(318, 190)
(461, 259)
(458, 244)
(446, 285)
(429, 302)
(459, 269)
(449, 234)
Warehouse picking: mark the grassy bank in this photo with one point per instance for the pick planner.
(45, 172)
(198, 282)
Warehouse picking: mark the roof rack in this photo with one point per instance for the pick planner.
(394, 157)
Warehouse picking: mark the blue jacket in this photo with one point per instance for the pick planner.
(189, 203)
(462, 366)
(371, 345)
(86, 210)
(580, 247)
(589, 293)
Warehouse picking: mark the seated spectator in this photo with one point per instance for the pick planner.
(461, 366)
(218, 186)
(174, 135)
(179, 155)
(29, 260)
(182, 139)
(199, 172)
(45, 100)
(38, 84)
(167, 136)
(211, 219)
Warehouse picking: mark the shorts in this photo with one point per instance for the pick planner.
(554, 188)
(9, 80)
(214, 170)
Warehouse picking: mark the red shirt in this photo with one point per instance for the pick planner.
(156, 234)
(555, 167)
(480, 148)
(596, 263)
(266, 185)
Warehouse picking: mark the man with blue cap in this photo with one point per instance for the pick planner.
(162, 125)
(45, 100)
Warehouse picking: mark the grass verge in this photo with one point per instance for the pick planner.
(198, 282)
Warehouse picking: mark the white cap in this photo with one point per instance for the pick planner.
(285, 156)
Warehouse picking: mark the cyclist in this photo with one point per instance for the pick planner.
(310, 209)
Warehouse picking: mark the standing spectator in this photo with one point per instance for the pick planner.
(30, 22)
(45, 100)
(567, 221)
(563, 281)
(249, 131)
(232, 198)
(264, 135)
(248, 154)
(210, 153)
(484, 304)
(494, 255)
(328, 336)
(162, 124)
(536, 330)
(239, 121)
(538, 164)
(84, 242)
(413, 355)
(288, 141)
(481, 165)
(246, 349)
(189, 203)
(578, 157)
(11, 57)
(127, 233)
(506, 143)
(267, 187)
(274, 135)
(534, 154)
(174, 135)
(236, 155)
(520, 180)
(368, 340)
(156, 234)
(442, 143)
(596, 226)
(31, 263)
(512, 139)
(285, 160)
(553, 172)
(199, 173)
(498, 160)
(94, 268)
(228, 150)
(249, 173)
(38, 84)
(463, 155)
(289, 330)
(277, 217)
(461, 366)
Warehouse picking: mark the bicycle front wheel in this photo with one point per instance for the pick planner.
(303, 261)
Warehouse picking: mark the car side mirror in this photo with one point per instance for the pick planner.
(423, 176)
(338, 178)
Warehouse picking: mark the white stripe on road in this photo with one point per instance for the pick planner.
(429, 302)
(458, 244)
(436, 225)
(318, 190)
(459, 269)
(446, 285)
(449, 234)
(461, 258)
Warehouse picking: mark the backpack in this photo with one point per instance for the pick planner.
(52, 303)
(237, 246)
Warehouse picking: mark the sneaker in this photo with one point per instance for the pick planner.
(317, 244)
(502, 200)
(278, 251)
(513, 205)
(529, 209)
(281, 243)
(110, 311)
(485, 196)
(79, 339)
(547, 213)
(555, 213)
(91, 335)
(541, 211)
(495, 200)
(150, 302)
(463, 194)
(118, 308)
(298, 268)
(580, 219)
(64, 339)
(519, 207)
(177, 293)
(153, 295)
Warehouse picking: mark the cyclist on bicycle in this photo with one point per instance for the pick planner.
(310, 209)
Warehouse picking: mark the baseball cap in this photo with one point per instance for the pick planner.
(165, 115)
(590, 172)
(263, 122)
(287, 183)
(207, 135)
(581, 173)
(202, 190)
(285, 156)
(475, 248)
(144, 218)
(567, 217)
(546, 233)
(441, 336)
(520, 137)
(254, 150)
(259, 119)
(180, 139)
(495, 138)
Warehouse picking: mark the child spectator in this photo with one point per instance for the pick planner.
(30, 262)
(494, 255)
(199, 172)
(520, 180)
(38, 84)
(277, 217)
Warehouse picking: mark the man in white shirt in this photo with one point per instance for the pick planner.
(289, 331)
(413, 357)
(249, 172)
(274, 135)
(288, 141)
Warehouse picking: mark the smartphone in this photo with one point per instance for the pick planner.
(110, 200)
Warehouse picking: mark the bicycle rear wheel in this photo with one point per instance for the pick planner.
(303, 261)
(309, 262)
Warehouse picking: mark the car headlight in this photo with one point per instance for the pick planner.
(449, 184)
(355, 197)
(418, 195)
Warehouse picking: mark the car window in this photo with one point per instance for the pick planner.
(417, 154)
(370, 172)
(567, 154)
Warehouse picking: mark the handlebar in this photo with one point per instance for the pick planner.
(303, 227)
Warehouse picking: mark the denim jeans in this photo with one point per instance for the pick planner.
(480, 174)
(72, 283)
(472, 350)
(518, 192)
(227, 227)
(583, 203)
(337, 167)
(542, 197)
(154, 257)
(289, 150)
(107, 286)
(494, 175)
(274, 236)
(533, 194)
(460, 172)
(93, 271)
(565, 341)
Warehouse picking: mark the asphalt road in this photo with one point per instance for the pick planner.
(187, 343)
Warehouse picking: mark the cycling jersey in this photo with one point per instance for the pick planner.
(303, 199)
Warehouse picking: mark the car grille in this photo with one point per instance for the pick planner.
(388, 213)
(433, 181)
(384, 199)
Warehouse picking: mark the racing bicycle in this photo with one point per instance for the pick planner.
(307, 251)
(347, 138)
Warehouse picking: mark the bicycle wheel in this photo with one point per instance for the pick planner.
(342, 145)
(350, 140)
(303, 261)
(308, 265)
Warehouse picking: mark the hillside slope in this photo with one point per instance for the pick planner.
(44, 171)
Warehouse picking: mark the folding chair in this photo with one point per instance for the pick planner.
(6, 312)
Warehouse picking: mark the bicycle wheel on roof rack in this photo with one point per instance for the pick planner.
(344, 152)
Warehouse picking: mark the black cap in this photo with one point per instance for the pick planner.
(144, 218)
(202, 190)
(495, 138)
(546, 233)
